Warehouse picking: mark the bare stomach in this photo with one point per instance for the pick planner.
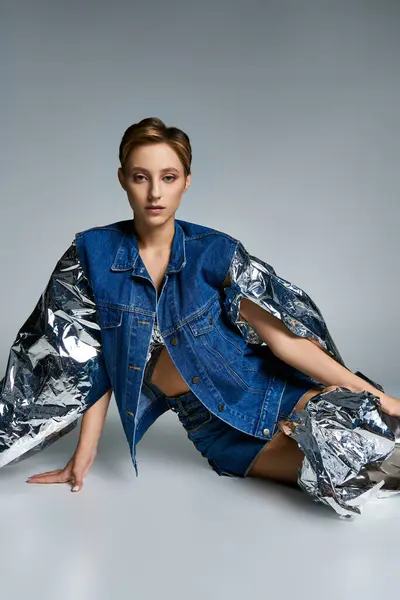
(167, 377)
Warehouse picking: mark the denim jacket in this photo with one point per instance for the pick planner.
(97, 321)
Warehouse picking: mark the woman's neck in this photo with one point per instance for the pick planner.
(156, 237)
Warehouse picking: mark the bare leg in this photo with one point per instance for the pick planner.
(281, 458)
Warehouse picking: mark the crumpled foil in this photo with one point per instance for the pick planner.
(351, 448)
(56, 370)
(52, 365)
(344, 437)
(252, 278)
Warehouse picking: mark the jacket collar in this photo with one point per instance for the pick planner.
(128, 251)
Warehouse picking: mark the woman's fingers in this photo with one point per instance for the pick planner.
(46, 473)
(57, 477)
(50, 478)
(75, 471)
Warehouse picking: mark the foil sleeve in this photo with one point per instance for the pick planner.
(347, 445)
(252, 278)
(55, 368)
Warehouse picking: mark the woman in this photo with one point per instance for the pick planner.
(241, 352)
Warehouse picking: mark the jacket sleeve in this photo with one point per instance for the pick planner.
(55, 368)
(252, 278)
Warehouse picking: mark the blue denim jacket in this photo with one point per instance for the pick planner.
(92, 329)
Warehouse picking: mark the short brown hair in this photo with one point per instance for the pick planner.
(153, 131)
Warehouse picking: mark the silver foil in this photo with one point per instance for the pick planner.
(156, 343)
(52, 364)
(351, 448)
(56, 362)
(343, 437)
(249, 277)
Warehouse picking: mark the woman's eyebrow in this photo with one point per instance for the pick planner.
(162, 170)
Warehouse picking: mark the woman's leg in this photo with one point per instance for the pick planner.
(281, 457)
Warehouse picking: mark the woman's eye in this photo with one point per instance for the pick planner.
(135, 177)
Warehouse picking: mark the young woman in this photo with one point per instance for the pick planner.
(173, 315)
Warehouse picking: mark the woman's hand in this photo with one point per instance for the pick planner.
(74, 472)
(390, 405)
(77, 468)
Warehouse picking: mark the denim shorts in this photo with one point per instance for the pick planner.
(228, 450)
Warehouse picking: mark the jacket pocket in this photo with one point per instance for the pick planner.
(110, 320)
(211, 327)
(205, 321)
(109, 316)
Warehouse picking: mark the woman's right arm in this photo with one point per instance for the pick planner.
(78, 466)
(92, 423)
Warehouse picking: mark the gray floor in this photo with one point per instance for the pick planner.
(180, 531)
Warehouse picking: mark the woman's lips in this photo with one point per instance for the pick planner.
(155, 209)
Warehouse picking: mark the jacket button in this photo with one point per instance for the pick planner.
(129, 412)
(196, 379)
(265, 431)
(174, 341)
(221, 407)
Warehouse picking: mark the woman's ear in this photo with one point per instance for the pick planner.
(121, 178)
(188, 182)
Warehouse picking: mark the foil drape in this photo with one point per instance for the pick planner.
(252, 278)
(351, 448)
(55, 368)
(343, 436)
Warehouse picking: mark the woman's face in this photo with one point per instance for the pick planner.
(153, 177)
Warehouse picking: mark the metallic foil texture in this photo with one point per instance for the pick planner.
(156, 343)
(256, 280)
(351, 448)
(343, 435)
(51, 365)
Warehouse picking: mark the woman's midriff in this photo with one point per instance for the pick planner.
(166, 376)
(168, 379)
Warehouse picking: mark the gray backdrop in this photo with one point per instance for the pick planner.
(293, 112)
(292, 109)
